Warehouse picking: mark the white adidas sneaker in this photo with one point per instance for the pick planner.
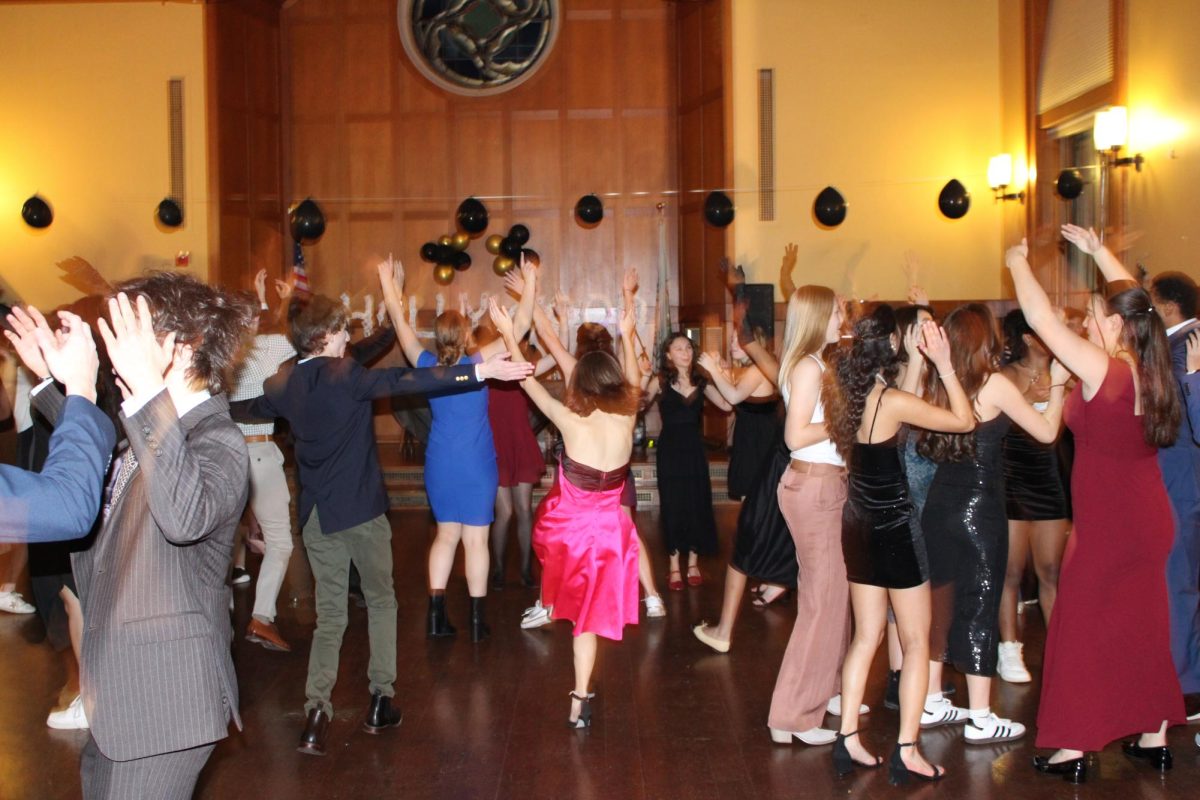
(992, 730)
(942, 712)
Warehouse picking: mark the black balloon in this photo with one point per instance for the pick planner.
(169, 213)
(589, 210)
(510, 247)
(472, 216)
(954, 200)
(830, 207)
(718, 209)
(519, 234)
(1069, 184)
(445, 254)
(429, 252)
(461, 261)
(308, 223)
(36, 213)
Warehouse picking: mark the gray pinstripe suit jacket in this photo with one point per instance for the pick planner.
(156, 666)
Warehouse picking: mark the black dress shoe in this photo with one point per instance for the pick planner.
(1159, 757)
(312, 741)
(381, 715)
(1072, 771)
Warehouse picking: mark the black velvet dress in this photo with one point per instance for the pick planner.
(757, 427)
(966, 529)
(684, 487)
(1033, 484)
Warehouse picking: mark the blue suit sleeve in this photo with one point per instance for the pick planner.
(1190, 384)
(60, 502)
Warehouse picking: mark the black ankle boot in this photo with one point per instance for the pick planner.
(479, 627)
(381, 714)
(437, 626)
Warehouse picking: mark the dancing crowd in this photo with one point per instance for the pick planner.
(895, 472)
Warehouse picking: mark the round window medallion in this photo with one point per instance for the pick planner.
(478, 47)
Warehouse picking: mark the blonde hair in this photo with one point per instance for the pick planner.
(808, 312)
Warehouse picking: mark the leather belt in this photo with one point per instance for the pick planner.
(261, 437)
(813, 468)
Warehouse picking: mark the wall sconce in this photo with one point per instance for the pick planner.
(1110, 132)
(1000, 172)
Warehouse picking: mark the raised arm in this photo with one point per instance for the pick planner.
(960, 417)
(1077, 354)
(1087, 241)
(787, 286)
(554, 346)
(734, 393)
(553, 409)
(914, 372)
(391, 280)
(761, 356)
(629, 362)
(524, 286)
(1042, 426)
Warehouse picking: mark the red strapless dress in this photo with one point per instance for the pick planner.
(588, 548)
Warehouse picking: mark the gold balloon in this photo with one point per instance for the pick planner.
(443, 274)
(493, 243)
(502, 264)
(446, 239)
(459, 241)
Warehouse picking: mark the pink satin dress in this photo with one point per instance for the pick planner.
(588, 548)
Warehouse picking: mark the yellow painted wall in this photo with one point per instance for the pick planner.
(885, 101)
(1164, 120)
(83, 122)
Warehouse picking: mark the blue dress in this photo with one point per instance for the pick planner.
(460, 461)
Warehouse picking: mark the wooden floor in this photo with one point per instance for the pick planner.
(673, 720)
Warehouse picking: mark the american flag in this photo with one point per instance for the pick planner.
(299, 275)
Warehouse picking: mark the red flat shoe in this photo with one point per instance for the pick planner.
(675, 584)
(694, 580)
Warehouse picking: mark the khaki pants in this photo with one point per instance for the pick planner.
(269, 500)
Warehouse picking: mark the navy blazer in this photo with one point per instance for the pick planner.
(60, 502)
(1180, 463)
(328, 405)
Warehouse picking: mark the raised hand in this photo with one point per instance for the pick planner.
(499, 368)
(500, 318)
(740, 309)
(628, 324)
(790, 251)
(24, 322)
(386, 270)
(629, 285)
(936, 347)
(1017, 255)
(260, 286)
(918, 296)
(562, 305)
(283, 289)
(912, 344)
(1193, 351)
(139, 359)
(733, 275)
(514, 283)
(71, 355)
(1083, 238)
(709, 362)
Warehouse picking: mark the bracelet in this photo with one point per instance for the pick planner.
(1058, 385)
(944, 375)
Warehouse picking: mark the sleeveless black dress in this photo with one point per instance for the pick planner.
(764, 548)
(684, 487)
(757, 428)
(966, 528)
(1033, 483)
(880, 542)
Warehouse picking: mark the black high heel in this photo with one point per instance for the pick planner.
(437, 626)
(1072, 771)
(843, 762)
(584, 720)
(1159, 757)
(899, 774)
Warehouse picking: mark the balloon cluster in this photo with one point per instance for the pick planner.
(449, 251)
(508, 249)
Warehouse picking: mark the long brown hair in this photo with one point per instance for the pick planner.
(1144, 337)
(599, 383)
(667, 374)
(852, 377)
(451, 335)
(975, 353)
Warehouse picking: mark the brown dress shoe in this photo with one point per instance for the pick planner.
(312, 741)
(266, 634)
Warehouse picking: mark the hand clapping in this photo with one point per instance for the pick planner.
(140, 361)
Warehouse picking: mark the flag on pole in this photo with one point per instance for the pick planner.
(299, 274)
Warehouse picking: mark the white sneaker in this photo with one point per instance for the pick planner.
(535, 616)
(834, 706)
(654, 606)
(942, 712)
(1011, 665)
(812, 736)
(70, 718)
(13, 603)
(992, 729)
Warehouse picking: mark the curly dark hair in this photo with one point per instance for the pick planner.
(667, 374)
(846, 386)
(975, 353)
(216, 324)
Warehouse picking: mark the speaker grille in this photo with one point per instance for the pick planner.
(175, 145)
(766, 145)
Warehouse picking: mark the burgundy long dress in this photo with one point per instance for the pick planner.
(1108, 671)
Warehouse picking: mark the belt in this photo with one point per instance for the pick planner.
(813, 468)
(261, 437)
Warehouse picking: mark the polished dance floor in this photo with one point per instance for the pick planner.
(672, 719)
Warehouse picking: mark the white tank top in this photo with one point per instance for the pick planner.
(824, 451)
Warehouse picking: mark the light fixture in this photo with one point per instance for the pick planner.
(1110, 132)
(1000, 172)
